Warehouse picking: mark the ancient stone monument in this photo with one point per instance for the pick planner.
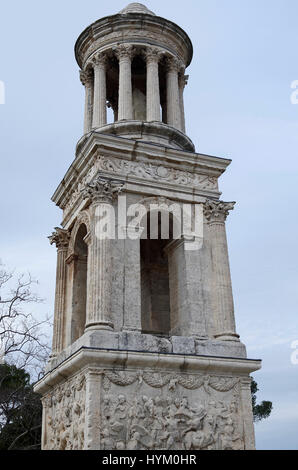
(145, 351)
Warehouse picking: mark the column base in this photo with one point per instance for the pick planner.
(103, 325)
(227, 337)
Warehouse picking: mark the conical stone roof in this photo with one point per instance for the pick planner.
(136, 8)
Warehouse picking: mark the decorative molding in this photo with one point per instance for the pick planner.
(158, 380)
(156, 172)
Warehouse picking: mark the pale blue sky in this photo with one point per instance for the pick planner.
(237, 106)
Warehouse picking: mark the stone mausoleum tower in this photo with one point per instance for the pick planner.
(145, 351)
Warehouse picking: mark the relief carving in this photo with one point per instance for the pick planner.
(171, 416)
(139, 170)
(65, 416)
(156, 172)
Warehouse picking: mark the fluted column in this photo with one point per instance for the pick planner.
(152, 93)
(100, 91)
(173, 97)
(216, 213)
(182, 83)
(87, 81)
(125, 109)
(61, 239)
(99, 272)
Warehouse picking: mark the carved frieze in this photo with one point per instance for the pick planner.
(64, 409)
(164, 411)
(143, 170)
(156, 172)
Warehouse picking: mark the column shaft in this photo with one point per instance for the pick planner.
(61, 238)
(100, 92)
(87, 81)
(99, 277)
(125, 109)
(182, 83)
(153, 93)
(173, 97)
(223, 305)
(99, 269)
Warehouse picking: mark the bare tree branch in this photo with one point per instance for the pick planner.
(22, 337)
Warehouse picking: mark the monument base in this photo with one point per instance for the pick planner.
(114, 400)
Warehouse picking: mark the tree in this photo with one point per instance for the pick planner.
(262, 410)
(23, 348)
(22, 339)
(20, 410)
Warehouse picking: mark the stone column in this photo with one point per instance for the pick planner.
(153, 93)
(187, 296)
(125, 109)
(61, 239)
(99, 271)
(87, 81)
(216, 213)
(100, 91)
(173, 97)
(182, 83)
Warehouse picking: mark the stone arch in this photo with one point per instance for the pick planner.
(78, 268)
(82, 218)
(166, 206)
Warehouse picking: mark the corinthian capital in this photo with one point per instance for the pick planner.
(217, 211)
(99, 59)
(60, 238)
(124, 51)
(183, 79)
(152, 54)
(86, 77)
(101, 190)
(173, 64)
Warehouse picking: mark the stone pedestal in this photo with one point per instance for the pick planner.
(116, 400)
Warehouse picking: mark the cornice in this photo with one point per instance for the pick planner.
(110, 358)
(94, 145)
(100, 29)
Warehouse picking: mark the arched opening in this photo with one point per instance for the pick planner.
(163, 91)
(155, 290)
(79, 297)
(112, 89)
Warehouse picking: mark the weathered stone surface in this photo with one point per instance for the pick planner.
(221, 348)
(141, 401)
(145, 349)
(183, 345)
